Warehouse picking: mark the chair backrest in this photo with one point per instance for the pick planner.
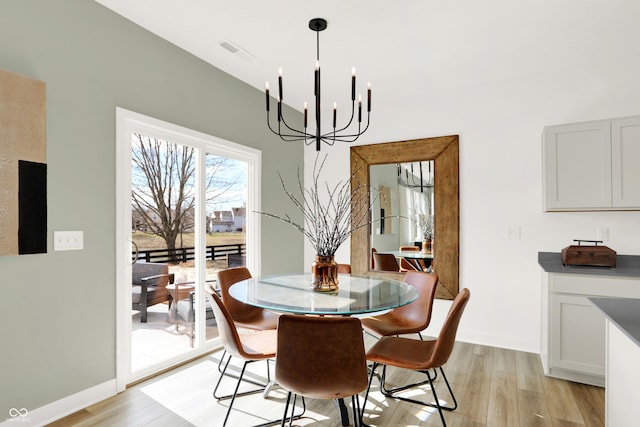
(228, 277)
(419, 312)
(344, 268)
(321, 357)
(143, 270)
(409, 248)
(385, 262)
(447, 337)
(226, 328)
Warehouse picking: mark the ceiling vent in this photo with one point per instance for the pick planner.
(236, 50)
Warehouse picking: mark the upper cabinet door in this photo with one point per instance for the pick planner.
(625, 162)
(577, 166)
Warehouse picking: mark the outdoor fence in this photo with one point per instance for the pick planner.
(216, 252)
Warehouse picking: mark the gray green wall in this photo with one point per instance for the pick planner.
(57, 332)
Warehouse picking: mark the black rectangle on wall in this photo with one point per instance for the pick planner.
(32, 206)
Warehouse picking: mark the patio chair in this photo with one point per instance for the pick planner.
(149, 286)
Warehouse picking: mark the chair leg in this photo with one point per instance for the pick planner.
(390, 392)
(355, 404)
(224, 353)
(235, 393)
(286, 409)
(293, 409)
(373, 368)
(143, 314)
(259, 384)
(240, 379)
(430, 380)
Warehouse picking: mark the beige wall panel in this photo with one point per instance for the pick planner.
(22, 137)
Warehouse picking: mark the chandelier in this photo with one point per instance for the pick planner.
(418, 175)
(346, 133)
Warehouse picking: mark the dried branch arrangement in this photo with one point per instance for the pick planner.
(327, 224)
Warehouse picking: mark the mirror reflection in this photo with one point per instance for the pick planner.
(403, 213)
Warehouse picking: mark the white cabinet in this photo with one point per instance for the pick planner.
(573, 330)
(623, 376)
(592, 165)
(625, 155)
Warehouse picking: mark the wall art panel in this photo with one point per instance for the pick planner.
(23, 170)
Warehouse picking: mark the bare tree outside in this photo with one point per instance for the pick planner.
(163, 187)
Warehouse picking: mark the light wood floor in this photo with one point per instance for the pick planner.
(494, 388)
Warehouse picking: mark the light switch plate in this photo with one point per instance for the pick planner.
(67, 240)
(603, 234)
(513, 232)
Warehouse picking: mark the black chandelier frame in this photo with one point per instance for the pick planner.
(288, 133)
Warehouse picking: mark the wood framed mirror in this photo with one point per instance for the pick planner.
(444, 151)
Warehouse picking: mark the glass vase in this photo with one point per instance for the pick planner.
(324, 270)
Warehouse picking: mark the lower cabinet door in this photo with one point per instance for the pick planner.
(577, 335)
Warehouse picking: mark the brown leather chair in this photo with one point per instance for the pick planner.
(385, 262)
(149, 286)
(321, 358)
(421, 356)
(244, 315)
(256, 346)
(412, 318)
(408, 266)
(344, 268)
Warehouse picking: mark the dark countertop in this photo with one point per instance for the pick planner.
(623, 312)
(626, 266)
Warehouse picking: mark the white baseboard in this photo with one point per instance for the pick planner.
(61, 408)
(511, 343)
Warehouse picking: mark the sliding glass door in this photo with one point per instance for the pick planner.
(183, 214)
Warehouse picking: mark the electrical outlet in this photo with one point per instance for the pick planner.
(603, 234)
(513, 233)
(67, 240)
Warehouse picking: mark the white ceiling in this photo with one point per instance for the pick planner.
(417, 54)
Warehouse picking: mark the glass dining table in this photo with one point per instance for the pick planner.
(413, 258)
(293, 293)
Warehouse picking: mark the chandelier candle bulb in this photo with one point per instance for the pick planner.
(306, 111)
(369, 97)
(280, 83)
(353, 83)
(266, 90)
(279, 110)
(335, 107)
(359, 108)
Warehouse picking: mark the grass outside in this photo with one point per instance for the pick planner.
(148, 241)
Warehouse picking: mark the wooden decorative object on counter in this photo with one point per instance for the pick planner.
(589, 255)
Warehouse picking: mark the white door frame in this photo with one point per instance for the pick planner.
(128, 122)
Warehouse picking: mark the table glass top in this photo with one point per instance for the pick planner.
(409, 254)
(293, 293)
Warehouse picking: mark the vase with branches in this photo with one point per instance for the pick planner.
(327, 219)
(426, 226)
